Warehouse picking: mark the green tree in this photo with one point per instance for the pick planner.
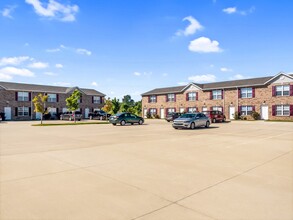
(124, 107)
(72, 102)
(116, 105)
(128, 100)
(40, 104)
(108, 107)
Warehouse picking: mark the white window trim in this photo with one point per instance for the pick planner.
(246, 109)
(22, 97)
(97, 99)
(22, 113)
(282, 110)
(246, 93)
(153, 99)
(217, 94)
(171, 99)
(282, 90)
(50, 99)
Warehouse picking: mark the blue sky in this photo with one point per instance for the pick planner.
(131, 46)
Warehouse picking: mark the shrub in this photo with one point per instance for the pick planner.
(237, 116)
(156, 116)
(255, 115)
(148, 115)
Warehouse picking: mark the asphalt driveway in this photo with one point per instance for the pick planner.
(237, 170)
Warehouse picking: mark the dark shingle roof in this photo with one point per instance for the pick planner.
(45, 88)
(216, 85)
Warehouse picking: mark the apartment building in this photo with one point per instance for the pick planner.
(16, 100)
(270, 96)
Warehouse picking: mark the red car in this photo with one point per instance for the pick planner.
(215, 116)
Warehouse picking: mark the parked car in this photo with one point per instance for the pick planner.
(173, 115)
(51, 116)
(99, 114)
(215, 116)
(2, 116)
(191, 120)
(124, 118)
(71, 115)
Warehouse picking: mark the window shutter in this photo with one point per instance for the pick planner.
(187, 96)
(57, 110)
(291, 90)
(80, 110)
(273, 90)
(156, 111)
(166, 111)
(187, 109)
(81, 99)
(211, 95)
(175, 109)
(16, 110)
(174, 97)
(92, 99)
(253, 92)
(239, 109)
(196, 94)
(29, 111)
(211, 108)
(291, 110)
(253, 108)
(239, 93)
(16, 96)
(57, 97)
(167, 98)
(30, 96)
(273, 110)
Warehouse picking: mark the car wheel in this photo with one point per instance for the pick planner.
(140, 122)
(207, 124)
(214, 120)
(192, 125)
(224, 119)
(114, 124)
(122, 123)
(131, 123)
(176, 128)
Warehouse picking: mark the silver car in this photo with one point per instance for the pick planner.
(191, 120)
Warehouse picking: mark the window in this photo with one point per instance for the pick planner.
(191, 96)
(191, 110)
(246, 93)
(153, 98)
(282, 90)
(246, 110)
(282, 110)
(170, 110)
(22, 96)
(22, 111)
(171, 98)
(52, 98)
(217, 108)
(153, 111)
(217, 94)
(97, 99)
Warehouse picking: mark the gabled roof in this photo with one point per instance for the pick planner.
(44, 88)
(261, 81)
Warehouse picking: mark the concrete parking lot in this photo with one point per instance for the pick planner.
(237, 170)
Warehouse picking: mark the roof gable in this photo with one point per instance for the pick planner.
(191, 87)
(280, 78)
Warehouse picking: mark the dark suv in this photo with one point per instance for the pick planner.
(215, 116)
(99, 114)
(171, 116)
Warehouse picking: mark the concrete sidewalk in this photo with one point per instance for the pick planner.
(237, 170)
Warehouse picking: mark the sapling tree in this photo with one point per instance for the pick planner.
(72, 102)
(40, 104)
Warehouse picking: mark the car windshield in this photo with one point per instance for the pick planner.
(188, 115)
(119, 114)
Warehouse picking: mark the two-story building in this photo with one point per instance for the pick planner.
(16, 100)
(270, 96)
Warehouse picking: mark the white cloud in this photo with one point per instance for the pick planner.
(204, 45)
(54, 10)
(225, 69)
(38, 65)
(230, 10)
(137, 73)
(8, 72)
(6, 12)
(202, 78)
(59, 66)
(50, 74)
(94, 84)
(83, 51)
(61, 84)
(237, 76)
(53, 50)
(191, 28)
(13, 60)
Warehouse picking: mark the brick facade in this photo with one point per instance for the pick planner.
(8, 98)
(262, 96)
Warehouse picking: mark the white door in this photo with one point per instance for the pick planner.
(7, 111)
(231, 112)
(38, 115)
(162, 113)
(86, 112)
(145, 110)
(264, 112)
(181, 110)
(204, 109)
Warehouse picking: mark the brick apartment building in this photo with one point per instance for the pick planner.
(16, 100)
(270, 96)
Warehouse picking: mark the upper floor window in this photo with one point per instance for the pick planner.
(282, 110)
(246, 110)
(153, 98)
(52, 97)
(283, 90)
(217, 94)
(22, 96)
(246, 93)
(191, 96)
(191, 109)
(97, 99)
(171, 98)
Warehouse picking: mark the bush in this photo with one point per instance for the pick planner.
(156, 116)
(255, 115)
(237, 116)
(148, 115)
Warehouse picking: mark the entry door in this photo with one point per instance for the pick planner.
(7, 111)
(86, 112)
(162, 113)
(231, 112)
(145, 110)
(264, 112)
